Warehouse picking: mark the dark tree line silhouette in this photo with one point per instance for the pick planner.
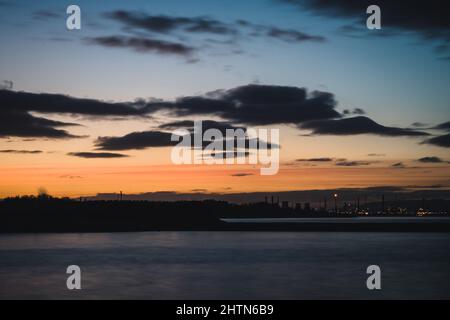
(47, 214)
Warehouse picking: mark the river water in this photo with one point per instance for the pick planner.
(225, 265)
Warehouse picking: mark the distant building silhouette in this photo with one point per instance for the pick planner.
(307, 206)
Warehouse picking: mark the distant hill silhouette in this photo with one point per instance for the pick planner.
(314, 197)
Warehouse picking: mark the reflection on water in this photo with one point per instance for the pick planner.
(372, 220)
(225, 265)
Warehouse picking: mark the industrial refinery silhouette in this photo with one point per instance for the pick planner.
(44, 213)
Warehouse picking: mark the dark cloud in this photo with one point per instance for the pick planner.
(268, 105)
(352, 163)
(443, 126)
(16, 119)
(163, 24)
(208, 33)
(292, 35)
(376, 155)
(57, 103)
(23, 124)
(357, 111)
(258, 105)
(143, 44)
(425, 19)
(194, 105)
(316, 160)
(405, 15)
(242, 174)
(440, 141)
(356, 125)
(246, 105)
(418, 125)
(431, 160)
(158, 139)
(167, 24)
(222, 126)
(21, 151)
(174, 125)
(398, 165)
(136, 140)
(226, 155)
(97, 155)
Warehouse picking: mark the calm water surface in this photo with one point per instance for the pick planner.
(225, 265)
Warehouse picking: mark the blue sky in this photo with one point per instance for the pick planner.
(397, 80)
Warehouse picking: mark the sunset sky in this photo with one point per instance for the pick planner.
(88, 111)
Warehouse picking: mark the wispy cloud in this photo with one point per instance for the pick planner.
(97, 155)
(21, 151)
(315, 160)
(207, 32)
(353, 163)
(143, 45)
(242, 174)
(431, 160)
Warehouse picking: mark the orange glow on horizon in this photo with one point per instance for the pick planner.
(88, 181)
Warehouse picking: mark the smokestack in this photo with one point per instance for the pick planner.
(358, 204)
(121, 196)
(382, 203)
